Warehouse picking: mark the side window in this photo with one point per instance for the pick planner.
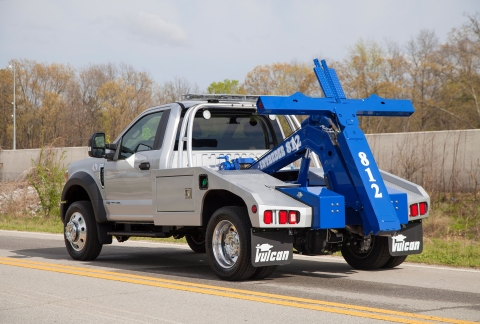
(141, 136)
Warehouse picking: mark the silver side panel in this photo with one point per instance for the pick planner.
(174, 194)
(252, 186)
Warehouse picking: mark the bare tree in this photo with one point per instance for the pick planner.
(172, 91)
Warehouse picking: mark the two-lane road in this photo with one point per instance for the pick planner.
(152, 282)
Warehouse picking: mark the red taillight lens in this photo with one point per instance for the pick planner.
(267, 217)
(292, 217)
(282, 215)
(254, 209)
(414, 210)
(423, 208)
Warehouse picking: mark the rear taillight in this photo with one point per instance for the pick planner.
(414, 210)
(267, 217)
(423, 208)
(282, 217)
(292, 217)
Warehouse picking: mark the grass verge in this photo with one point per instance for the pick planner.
(54, 225)
(457, 252)
(31, 224)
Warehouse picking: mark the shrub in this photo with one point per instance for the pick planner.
(47, 177)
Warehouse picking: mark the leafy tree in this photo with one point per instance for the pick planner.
(6, 109)
(463, 52)
(225, 87)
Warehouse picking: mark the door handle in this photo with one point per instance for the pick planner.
(144, 166)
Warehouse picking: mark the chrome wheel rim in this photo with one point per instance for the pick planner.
(226, 244)
(76, 231)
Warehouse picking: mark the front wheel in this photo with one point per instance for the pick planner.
(80, 233)
(373, 256)
(228, 244)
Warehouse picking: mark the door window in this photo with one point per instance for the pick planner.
(141, 136)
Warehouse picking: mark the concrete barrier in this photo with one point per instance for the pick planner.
(15, 164)
(444, 160)
(447, 160)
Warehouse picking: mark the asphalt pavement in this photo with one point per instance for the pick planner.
(149, 282)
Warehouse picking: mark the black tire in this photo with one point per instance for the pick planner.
(394, 261)
(375, 258)
(263, 272)
(196, 242)
(80, 232)
(228, 244)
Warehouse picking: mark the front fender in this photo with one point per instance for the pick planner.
(87, 183)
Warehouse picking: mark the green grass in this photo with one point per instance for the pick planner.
(31, 224)
(457, 252)
(452, 252)
(54, 225)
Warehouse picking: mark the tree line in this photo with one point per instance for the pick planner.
(57, 103)
(60, 104)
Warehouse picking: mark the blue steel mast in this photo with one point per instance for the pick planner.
(332, 132)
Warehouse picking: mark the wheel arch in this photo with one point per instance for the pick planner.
(218, 198)
(81, 186)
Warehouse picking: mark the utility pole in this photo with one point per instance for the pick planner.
(14, 106)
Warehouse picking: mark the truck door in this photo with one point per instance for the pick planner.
(128, 188)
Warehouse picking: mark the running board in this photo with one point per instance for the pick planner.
(139, 234)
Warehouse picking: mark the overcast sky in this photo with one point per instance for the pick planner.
(206, 41)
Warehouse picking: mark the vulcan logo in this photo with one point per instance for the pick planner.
(399, 244)
(265, 255)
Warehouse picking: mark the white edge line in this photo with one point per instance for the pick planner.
(339, 259)
(439, 268)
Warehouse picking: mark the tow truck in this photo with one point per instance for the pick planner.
(220, 171)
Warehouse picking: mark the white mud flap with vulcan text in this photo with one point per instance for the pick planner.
(271, 248)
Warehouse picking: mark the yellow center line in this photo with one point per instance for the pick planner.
(346, 309)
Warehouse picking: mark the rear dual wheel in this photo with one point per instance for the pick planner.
(263, 272)
(228, 244)
(373, 257)
(394, 261)
(228, 240)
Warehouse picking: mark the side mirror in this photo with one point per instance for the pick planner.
(96, 145)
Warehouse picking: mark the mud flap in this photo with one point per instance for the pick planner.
(408, 240)
(271, 248)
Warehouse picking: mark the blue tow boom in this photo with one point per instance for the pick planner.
(351, 173)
